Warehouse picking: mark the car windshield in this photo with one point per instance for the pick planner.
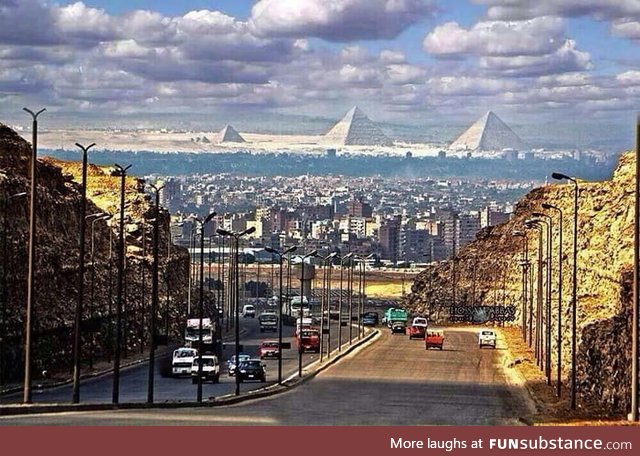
(420, 321)
(487, 333)
(242, 358)
(205, 362)
(184, 354)
(250, 364)
(309, 334)
(270, 345)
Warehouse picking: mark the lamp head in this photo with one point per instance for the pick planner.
(222, 232)
(559, 176)
(270, 250)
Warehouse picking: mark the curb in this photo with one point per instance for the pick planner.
(288, 384)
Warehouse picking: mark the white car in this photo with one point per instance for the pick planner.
(210, 369)
(249, 310)
(487, 337)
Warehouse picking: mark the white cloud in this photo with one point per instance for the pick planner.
(338, 20)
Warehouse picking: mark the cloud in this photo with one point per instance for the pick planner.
(526, 9)
(338, 20)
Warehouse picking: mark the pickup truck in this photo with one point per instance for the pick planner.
(433, 338)
(268, 321)
(418, 328)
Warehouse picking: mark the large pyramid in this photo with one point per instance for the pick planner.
(356, 129)
(489, 133)
(228, 134)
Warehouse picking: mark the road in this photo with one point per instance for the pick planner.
(133, 380)
(393, 381)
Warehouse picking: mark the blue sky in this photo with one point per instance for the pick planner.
(404, 61)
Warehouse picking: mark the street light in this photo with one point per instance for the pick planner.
(154, 294)
(559, 340)
(32, 256)
(633, 416)
(102, 217)
(325, 261)
(121, 267)
(537, 224)
(348, 256)
(203, 224)
(237, 237)
(525, 266)
(280, 260)
(304, 257)
(574, 297)
(547, 366)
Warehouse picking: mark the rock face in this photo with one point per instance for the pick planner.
(489, 271)
(356, 129)
(57, 258)
(489, 133)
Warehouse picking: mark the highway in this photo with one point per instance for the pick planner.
(133, 380)
(393, 381)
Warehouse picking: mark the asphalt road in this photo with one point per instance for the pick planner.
(133, 380)
(393, 381)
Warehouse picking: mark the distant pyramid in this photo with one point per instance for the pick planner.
(489, 133)
(228, 134)
(356, 129)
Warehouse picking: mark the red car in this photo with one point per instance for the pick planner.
(269, 349)
(309, 340)
(417, 332)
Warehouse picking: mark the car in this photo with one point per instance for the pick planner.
(370, 319)
(268, 321)
(433, 338)
(252, 369)
(417, 331)
(210, 369)
(249, 310)
(398, 327)
(419, 321)
(309, 340)
(269, 349)
(231, 363)
(487, 337)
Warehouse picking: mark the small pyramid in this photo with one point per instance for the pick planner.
(356, 129)
(228, 134)
(489, 133)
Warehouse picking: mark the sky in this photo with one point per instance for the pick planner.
(410, 62)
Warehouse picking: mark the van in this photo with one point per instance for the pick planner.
(249, 310)
(487, 337)
(210, 369)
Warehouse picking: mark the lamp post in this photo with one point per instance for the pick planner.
(32, 257)
(5, 291)
(559, 336)
(304, 257)
(633, 416)
(154, 294)
(102, 217)
(120, 284)
(525, 265)
(280, 260)
(547, 365)
(348, 256)
(537, 225)
(203, 224)
(350, 296)
(574, 297)
(77, 333)
(237, 237)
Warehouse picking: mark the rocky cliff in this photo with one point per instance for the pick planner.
(57, 258)
(489, 271)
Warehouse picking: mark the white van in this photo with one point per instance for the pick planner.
(487, 337)
(249, 310)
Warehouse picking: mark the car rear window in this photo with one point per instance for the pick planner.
(488, 333)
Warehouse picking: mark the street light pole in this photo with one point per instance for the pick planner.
(298, 335)
(348, 256)
(237, 237)
(103, 217)
(154, 294)
(574, 294)
(77, 334)
(635, 374)
(547, 366)
(559, 336)
(121, 267)
(280, 260)
(538, 343)
(32, 256)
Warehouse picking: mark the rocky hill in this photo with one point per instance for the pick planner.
(56, 273)
(489, 272)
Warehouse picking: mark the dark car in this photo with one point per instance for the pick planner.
(252, 369)
(398, 327)
(370, 319)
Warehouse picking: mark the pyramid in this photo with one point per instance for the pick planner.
(356, 129)
(228, 134)
(489, 133)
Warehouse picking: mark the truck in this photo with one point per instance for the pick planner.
(309, 340)
(210, 369)
(268, 321)
(394, 314)
(433, 338)
(192, 334)
(182, 361)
